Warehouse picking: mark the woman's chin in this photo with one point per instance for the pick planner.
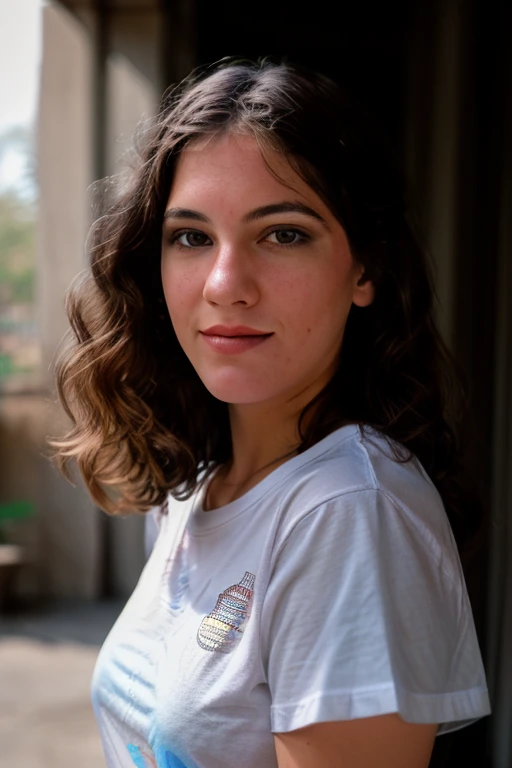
(240, 392)
(235, 397)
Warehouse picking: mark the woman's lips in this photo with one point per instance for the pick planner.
(231, 343)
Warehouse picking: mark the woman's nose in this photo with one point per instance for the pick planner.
(231, 279)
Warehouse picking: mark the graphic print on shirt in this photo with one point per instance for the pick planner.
(222, 629)
(178, 576)
(143, 758)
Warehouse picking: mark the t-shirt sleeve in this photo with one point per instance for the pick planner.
(366, 613)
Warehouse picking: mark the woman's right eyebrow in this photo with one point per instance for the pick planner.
(186, 213)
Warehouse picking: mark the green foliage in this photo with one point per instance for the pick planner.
(17, 222)
(17, 249)
(18, 216)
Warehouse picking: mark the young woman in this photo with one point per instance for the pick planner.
(255, 365)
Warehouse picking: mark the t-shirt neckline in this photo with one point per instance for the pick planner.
(205, 520)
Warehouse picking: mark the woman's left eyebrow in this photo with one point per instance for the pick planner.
(285, 207)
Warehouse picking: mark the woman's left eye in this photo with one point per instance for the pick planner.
(286, 237)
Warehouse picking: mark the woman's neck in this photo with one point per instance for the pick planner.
(261, 441)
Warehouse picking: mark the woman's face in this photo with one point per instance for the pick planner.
(257, 274)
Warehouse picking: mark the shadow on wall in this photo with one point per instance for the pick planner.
(60, 539)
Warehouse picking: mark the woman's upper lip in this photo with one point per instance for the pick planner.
(234, 330)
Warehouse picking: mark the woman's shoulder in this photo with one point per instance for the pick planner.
(360, 478)
(358, 458)
(362, 495)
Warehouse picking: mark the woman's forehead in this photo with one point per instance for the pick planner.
(237, 161)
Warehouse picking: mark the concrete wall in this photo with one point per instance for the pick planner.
(63, 539)
(91, 100)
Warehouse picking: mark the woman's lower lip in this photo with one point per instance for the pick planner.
(233, 345)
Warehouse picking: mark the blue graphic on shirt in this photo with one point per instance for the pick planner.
(137, 757)
(179, 577)
(173, 761)
(181, 588)
(145, 760)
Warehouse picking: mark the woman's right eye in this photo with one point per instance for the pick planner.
(190, 238)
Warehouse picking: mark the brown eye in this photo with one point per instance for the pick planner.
(287, 237)
(192, 238)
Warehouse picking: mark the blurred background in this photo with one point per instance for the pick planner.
(76, 77)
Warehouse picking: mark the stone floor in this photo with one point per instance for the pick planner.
(46, 660)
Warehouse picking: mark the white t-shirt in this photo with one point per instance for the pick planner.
(332, 590)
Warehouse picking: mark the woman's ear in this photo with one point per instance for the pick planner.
(364, 291)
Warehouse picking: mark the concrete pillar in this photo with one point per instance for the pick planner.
(69, 544)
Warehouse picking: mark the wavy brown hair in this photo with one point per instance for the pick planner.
(143, 422)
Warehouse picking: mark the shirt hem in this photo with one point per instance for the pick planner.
(451, 711)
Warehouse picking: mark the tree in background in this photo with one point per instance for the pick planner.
(19, 348)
